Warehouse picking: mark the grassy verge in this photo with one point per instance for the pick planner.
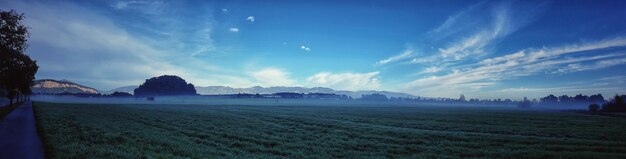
(41, 132)
(5, 110)
(196, 131)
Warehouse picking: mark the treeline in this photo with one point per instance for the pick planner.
(285, 95)
(578, 99)
(615, 105)
(427, 100)
(595, 103)
(17, 70)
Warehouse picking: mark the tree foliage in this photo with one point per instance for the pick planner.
(166, 85)
(615, 105)
(17, 70)
(525, 103)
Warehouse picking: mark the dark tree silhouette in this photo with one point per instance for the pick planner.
(166, 85)
(17, 70)
(596, 99)
(580, 98)
(594, 107)
(120, 94)
(615, 105)
(549, 99)
(525, 103)
(565, 99)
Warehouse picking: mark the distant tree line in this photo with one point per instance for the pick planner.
(595, 102)
(285, 95)
(578, 99)
(426, 100)
(614, 105)
(17, 70)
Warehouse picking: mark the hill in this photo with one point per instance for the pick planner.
(166, 85)
(50, 86)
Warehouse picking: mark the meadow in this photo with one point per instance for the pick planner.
(231, 131)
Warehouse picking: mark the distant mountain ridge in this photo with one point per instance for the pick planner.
(50, 86)
(214, 90)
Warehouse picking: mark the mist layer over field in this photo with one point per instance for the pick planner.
(222, 101)
(200, 100)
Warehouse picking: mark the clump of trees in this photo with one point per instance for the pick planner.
(17, 70)
(615, 105)
(374, 97)
(594, 107)
(525, 103)
(120, 94)
(564, 99)
(166, 85)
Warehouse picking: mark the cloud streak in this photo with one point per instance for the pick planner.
(233, 29)
(523, 63)
(408, 53)
(305, 48)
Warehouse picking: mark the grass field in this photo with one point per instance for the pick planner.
(197, 131)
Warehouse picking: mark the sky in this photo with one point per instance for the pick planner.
(483, 49)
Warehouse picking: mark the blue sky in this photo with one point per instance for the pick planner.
(484, 49)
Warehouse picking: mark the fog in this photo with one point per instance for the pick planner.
(202, 100)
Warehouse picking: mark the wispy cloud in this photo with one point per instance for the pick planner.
(77, 43)
(305, 48)
(233, 29)
(250, 19)
(595, 66)
(345, 81)
(428, 70)
(476, 43)
(408, 53)
(451, 24)
(523, 63)
(477, 30)
(141, 6)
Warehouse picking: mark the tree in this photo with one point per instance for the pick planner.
(462, 98)
(166, 85)
(374, 97)
(525, 103)
(615, 105)
(596, 99)
(17, 70)
(120, 94)
(549, 99)
(580, 98)
(565, 99)
(594, 107)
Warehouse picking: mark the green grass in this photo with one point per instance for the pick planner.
(197, 131)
